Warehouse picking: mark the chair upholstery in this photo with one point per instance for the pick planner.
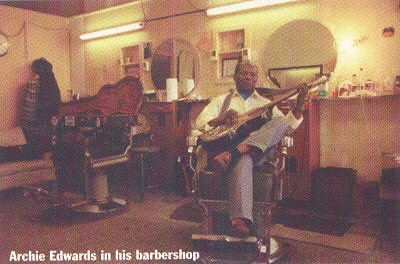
(213, 193)
(100, 130)
(27, 172)
(16, 168)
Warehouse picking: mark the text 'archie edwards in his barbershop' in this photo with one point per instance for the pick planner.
(120, 255)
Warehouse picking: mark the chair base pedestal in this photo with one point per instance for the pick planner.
(110, 206)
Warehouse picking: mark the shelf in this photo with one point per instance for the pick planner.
(130, 64)
(132, 61)
(378, 97)
(232, 47)
(222, 53)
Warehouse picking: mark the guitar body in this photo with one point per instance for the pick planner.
(233, 135)
(225, 137)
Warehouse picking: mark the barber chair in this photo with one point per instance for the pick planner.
(211, 191)
(100, 143)
(90, 136)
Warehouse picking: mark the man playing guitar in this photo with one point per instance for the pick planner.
(238, 161)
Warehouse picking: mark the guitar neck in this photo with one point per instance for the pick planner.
(259, 110)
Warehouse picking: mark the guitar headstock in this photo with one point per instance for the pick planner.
(320, 80)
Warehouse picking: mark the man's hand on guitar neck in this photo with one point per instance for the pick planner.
(230, 117)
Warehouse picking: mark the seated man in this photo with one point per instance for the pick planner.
(238, 161)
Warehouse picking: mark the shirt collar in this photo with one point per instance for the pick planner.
(254, 95)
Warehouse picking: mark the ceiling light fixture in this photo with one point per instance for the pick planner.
(112, 31)
(244, 6)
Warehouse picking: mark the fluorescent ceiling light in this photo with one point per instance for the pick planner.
(112, 31)
(244, 6)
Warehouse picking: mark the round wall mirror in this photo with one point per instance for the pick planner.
(298, 51)
(175, 58)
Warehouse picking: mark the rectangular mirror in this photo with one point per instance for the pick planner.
(290, 77)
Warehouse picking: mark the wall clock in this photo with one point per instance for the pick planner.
(4, 44)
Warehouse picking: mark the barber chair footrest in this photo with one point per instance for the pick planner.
(277, 249)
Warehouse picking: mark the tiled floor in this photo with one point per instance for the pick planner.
(147, 227)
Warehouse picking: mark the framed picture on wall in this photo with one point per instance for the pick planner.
(228, 66)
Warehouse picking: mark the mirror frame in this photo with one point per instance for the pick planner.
(175, 64)
(288, 69)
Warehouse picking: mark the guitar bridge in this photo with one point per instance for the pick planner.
(265, 117)
(232, 134)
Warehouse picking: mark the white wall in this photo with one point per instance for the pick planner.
(86, 66)
(32, 35)
(100, 58)
(349, 20)
(355, 133)
(365, 135)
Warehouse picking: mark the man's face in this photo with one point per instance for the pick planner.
(246, 78)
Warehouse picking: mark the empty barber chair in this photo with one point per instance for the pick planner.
(212, 192)
(100, 143)
(91, 136)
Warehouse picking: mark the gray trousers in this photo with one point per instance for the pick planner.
(241, 175)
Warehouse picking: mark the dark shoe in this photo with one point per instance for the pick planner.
(242, 228)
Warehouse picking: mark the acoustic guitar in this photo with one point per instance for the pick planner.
(228, 135)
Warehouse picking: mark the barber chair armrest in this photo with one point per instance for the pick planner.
(109, 161)
(142, 127)
(139, 130)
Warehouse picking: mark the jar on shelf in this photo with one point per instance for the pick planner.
(370, 85)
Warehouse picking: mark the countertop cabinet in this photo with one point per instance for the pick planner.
(343, 132)
(297, 178)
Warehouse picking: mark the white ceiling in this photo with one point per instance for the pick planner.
(152, 8)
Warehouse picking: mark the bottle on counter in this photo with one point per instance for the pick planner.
(323, 90)
(361, 79)
(396, 86)
(344, 88)
(370, 85)
(387, 86)
(333, 83)
(355, 83)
